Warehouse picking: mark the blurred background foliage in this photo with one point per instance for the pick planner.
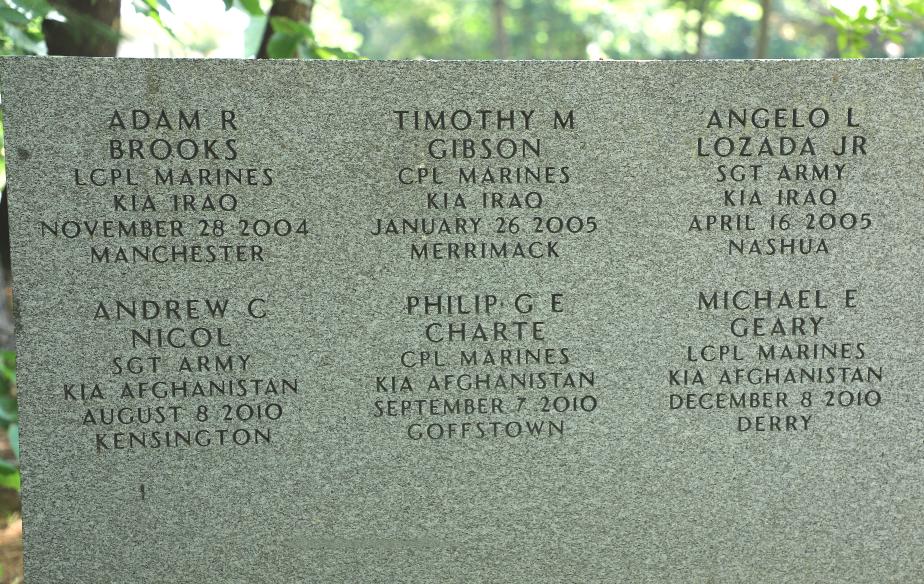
(476, 29)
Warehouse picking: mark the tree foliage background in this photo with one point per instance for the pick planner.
(470, 29)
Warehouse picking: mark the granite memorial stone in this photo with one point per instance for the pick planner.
(514, 322)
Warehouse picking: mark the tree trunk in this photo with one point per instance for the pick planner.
(299, 10)
(763, 31)
(91, 29)
(501, 43)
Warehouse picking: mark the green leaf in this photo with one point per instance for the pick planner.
(229, 4)
(335, 53)
(840, 14)
(21, 40)
(282, 46)
(291, 38)
(14, 439)
(252, 7)
(11, 480)
(151, 9)
(7, 375)
(8, 413)
(286, 25)
(37, 8)
(13, 16)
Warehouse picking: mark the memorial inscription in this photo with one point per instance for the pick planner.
(468, 321)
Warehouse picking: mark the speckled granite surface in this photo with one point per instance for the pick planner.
(511, 322)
